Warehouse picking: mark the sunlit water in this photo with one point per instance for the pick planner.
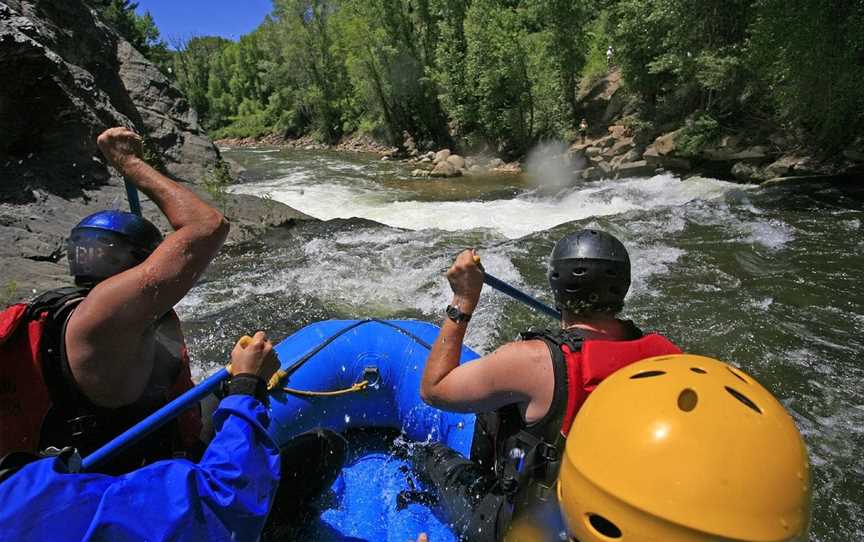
(768, 279)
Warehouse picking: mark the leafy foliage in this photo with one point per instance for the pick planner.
(139, 30)
(505, 73)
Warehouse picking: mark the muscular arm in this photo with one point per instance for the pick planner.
(104, 345)
(518, 372)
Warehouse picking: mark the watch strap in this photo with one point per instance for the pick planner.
(456, 315)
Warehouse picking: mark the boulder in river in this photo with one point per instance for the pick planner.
(640, 168)
(441, 155)
(457, 161)
(445, 169)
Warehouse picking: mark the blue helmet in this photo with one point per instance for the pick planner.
(107, 243)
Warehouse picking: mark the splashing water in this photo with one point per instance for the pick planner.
(768, 279)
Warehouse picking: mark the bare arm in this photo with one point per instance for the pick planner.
(515, 373)
(106, 353)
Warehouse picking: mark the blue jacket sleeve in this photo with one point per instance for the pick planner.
(225, 496)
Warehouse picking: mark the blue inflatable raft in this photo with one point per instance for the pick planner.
(389, 357)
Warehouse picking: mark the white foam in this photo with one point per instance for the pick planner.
(771, 234)
(515, 217)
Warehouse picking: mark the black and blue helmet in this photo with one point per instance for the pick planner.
(107, 243)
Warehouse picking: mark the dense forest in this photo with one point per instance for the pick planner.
(507, 73)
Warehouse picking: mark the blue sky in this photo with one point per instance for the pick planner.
(187, 18)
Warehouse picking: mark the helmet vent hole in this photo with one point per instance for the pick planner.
(555, 275)
(736, 375)
(579, 271)
(593, 298)
(698, 370)
(572, 290)
(744, 399)
(647, 374)
(603, 526)
(687, 400)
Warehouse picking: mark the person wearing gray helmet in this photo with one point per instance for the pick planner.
(526, 393)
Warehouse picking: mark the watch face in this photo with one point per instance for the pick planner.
(456, 315)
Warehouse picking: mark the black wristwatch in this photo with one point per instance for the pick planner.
(456, 315)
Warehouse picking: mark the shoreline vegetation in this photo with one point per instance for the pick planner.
(747, 91)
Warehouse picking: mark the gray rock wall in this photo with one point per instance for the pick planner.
(66, 77)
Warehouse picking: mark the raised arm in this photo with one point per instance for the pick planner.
(104, 340)
(515, 373)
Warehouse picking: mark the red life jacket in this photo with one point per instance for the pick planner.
(596, 360)
(38, 402)
(526, 459)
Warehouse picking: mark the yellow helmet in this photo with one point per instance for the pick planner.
(682, 449)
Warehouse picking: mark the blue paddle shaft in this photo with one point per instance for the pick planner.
(155, 420)
(132, 196)
(519, 295)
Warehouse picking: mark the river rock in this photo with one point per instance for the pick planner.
(622, 146)
(591, 152)
(495, 163)
(726, 154)
(441, 155)
(476, 170)
(603, 142)
(420, 173)
(632, 155)
(640, 168)
(457, 161)
(746, 172)
(445, 169)
(169, 121)
(782, 166)
(618, 131)
(665, 144)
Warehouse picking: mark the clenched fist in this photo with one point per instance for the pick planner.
(121, 146)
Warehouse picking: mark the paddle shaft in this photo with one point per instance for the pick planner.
(132, 196)
(519, 295)
(155, 420)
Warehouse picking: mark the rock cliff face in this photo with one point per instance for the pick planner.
(66, 77)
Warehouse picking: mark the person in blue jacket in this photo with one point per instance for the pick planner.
(225, 496)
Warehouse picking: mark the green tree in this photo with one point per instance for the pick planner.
(388, 50)
(810, 56)
(139, 30)
(191, 65)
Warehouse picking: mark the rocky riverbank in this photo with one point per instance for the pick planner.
(619, 144)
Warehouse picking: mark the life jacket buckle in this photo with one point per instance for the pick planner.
(548, 452)
(82, 425)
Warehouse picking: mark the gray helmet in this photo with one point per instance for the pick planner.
(589, 271)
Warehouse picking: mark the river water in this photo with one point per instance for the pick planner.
(768, 279)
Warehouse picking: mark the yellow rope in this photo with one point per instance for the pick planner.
(359, 386)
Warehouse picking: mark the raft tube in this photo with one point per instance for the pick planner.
(390, 355)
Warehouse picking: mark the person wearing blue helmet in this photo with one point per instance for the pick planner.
(98, 358)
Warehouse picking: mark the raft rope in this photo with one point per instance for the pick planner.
(359, 386)
(281, 374)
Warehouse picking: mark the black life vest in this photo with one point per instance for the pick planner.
(526, 458)
(42, 407)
